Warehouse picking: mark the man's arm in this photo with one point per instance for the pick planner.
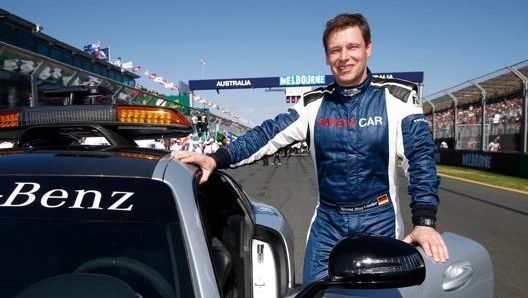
(423, 187)
(419, 150)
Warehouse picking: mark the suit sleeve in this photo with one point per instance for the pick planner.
(419, 151)
(264, 139)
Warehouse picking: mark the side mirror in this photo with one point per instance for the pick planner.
(366, 261)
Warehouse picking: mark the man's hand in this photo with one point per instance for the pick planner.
(206, 163)
(431, 242)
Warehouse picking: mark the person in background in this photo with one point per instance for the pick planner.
(494, 145)
(472, 144)
(265, 160)
(175, 145)
(357, 128)
(276, 158)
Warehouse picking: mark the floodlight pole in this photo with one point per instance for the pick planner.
(202, 61)
(455, 115)
(34, 84)
(433, 121)
(483, 120)
(524, 127)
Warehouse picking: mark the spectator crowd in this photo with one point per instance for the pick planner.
(504, 116)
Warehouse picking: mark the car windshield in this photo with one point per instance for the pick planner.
(32, 250)
(138, 242)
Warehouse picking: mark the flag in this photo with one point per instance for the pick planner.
(92, 48)
(220, 137)
(127, 65)
(137, 69)
(103, 54)
(88, 49)
(383, 199)
(117, 61)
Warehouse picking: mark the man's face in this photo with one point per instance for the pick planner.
(347, 56)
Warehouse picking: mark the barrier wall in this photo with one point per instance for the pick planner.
(511, 164)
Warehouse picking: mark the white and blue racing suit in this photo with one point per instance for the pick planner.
(356, 135)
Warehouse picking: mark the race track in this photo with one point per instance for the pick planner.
(496, 218)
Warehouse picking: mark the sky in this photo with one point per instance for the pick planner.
(451, 41)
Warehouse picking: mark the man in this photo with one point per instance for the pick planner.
(357, 129)
(276, 158)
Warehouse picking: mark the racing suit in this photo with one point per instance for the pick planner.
(356, 135)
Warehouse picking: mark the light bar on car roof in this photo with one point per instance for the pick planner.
(150, 115)
(111, 114)
(9, 119)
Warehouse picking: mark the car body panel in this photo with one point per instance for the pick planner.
(274, 231)
(463, 251)
(201, 266)
(84, 163)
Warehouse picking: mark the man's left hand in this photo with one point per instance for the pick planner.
(431, 242)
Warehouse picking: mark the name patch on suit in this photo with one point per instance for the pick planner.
(350, 123)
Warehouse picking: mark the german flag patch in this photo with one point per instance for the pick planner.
(384, 199)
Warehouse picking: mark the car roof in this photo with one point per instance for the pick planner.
(129, 162)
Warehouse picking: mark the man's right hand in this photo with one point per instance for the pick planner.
(206, 163)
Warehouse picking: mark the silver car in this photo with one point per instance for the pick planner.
(112, 219)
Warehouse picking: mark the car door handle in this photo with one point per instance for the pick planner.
(457, 275)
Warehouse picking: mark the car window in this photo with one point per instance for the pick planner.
(43, 238)
(228, 230)
(218, 201)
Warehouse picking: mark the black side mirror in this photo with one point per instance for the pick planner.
(366, 261)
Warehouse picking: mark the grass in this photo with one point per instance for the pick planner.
(516, 183)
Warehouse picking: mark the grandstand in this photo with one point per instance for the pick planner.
(483, 122)
(472, 114)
